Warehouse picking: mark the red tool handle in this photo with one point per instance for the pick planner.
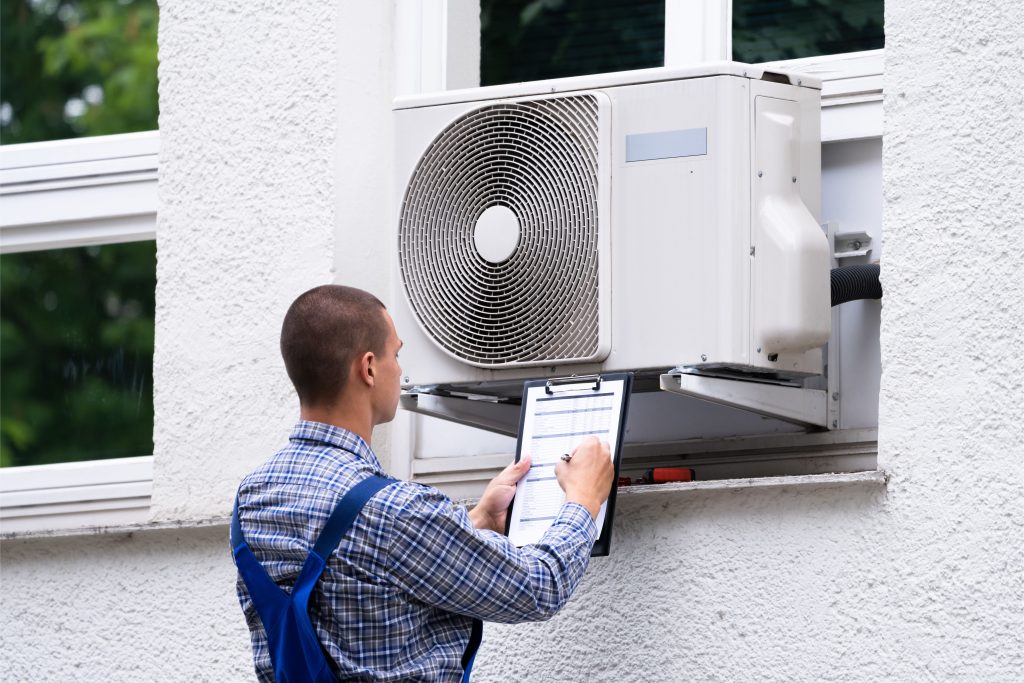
(664, 475)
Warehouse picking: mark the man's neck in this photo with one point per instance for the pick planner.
(359, 422)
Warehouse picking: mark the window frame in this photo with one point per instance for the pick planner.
(434, 43)
(74, 193)
(851, 94)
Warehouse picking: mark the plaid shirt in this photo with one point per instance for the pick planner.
(397, 598)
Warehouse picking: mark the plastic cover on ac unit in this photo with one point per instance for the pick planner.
(642, 220)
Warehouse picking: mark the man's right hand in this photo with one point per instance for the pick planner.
(587, 477)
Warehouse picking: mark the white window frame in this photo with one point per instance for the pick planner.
(434, 40)
(75, 193)
(851, 95)
(437, 47)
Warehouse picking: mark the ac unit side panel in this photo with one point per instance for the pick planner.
(678, 234)
(790, 307)
(734, 247)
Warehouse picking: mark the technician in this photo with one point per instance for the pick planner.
(402, 590)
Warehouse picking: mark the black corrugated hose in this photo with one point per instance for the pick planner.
(851, 283)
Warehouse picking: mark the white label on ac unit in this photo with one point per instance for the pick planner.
(667, 144)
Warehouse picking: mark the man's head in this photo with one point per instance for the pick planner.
(338, 342)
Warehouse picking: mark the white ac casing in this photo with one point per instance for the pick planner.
(707, 257)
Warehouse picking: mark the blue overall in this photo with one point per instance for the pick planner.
(295, 651)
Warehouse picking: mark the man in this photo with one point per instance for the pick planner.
(401, 590)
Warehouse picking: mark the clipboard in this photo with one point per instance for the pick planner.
(556, 415)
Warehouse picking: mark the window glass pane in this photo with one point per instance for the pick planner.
(528, 40)
(72, 68)
(76, 353)
(768, 30)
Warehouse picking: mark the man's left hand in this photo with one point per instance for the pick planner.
(490, 512)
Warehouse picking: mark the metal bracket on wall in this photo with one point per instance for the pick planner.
(501, 418)
(850, 244)
(792, 404)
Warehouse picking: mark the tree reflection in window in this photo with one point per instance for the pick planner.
(769, 30)
(528, 40)
(76, 353)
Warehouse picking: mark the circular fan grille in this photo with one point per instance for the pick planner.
(537, 159)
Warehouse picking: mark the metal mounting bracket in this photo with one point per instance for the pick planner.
(501, 418)
(850, 244)
(792, 404)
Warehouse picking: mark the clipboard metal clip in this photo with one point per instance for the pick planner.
(553, 385)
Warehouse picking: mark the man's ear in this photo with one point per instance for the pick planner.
(367, 368)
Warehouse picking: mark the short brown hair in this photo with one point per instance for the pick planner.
(324, 330)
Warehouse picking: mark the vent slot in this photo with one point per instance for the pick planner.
(521, 286)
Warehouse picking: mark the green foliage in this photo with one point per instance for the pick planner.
(76, 354)
(71, 68)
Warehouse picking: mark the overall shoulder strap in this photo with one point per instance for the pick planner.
(345, 512)
(236, 535)
(266, 595)
(296, 653)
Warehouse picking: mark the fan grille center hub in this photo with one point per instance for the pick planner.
(496, 234)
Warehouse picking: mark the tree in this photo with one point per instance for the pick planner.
(71, 68)
(76, 353)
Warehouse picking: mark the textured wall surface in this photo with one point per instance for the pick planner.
(922, 581)
(747, 585)
(153, 606)
(246, 210)
(950, 428)
(274, 147)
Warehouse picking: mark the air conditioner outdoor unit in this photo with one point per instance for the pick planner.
(641, 220)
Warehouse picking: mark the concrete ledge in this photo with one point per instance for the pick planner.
(876, 478)
(116, 529)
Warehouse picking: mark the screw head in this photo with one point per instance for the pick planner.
(835, 396)
(794, 179)
(703, 356)
(759, 349)
(406, 379)
(835, 423)
(760, 173)
(752, 251)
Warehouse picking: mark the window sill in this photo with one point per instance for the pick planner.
(875, 478)
(851, 92)
(51, 498)
(80, 192)
(115, 529)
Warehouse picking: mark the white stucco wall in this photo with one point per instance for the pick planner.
(275, 149)
(152, 606)
(922, 581)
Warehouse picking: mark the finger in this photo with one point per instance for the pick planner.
(515, 471)
(520, 469)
